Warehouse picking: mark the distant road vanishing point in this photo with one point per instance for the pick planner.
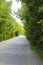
(17, 51)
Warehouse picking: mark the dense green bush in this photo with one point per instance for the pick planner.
(31, 13)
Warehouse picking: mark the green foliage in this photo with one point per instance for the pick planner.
(8, 26)
(39, 51)
(32, 14)
(18, 29)
(4, 19)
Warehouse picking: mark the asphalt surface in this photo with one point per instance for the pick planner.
(17, 51)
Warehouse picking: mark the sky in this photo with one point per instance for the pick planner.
(15, 6)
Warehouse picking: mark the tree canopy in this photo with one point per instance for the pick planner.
(8, 26)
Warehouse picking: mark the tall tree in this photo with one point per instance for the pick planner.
(8, 26)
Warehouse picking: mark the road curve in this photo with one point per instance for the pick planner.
(17, 51)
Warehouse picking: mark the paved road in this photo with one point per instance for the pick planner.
(17, 51)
